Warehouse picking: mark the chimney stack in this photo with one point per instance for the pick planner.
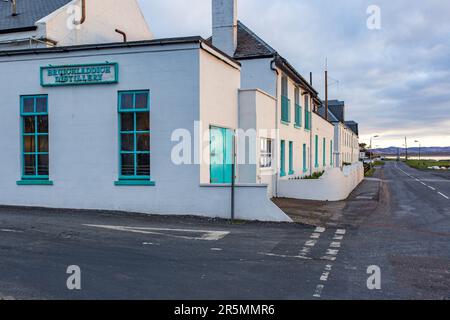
(224, 23)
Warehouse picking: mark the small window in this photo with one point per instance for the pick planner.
(134, 135)
(266, 153)
(284, 86)
(35, 144)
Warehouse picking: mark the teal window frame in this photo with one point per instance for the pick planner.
(324, 152)
(282, 158)
(36, 178)
(298, 109)
(134, 179)
(307, 114)
(285, 110)
(305, 161)
(316, 155)
(331, 153)
(291, 158)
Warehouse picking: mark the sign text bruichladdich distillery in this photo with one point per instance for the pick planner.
(87, 74)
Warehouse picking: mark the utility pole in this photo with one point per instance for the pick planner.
(326, 89)
(406, 146)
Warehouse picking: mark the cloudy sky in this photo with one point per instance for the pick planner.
(395, 81)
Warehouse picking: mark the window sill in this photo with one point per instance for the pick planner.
(143, 183)
(34, 183)
(285, 123)
(291, 173)
(283, 174)
(297, 126)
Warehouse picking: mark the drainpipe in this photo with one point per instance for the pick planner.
(124, 35)
(83, 13)
(14, 8)
(276, 155)
(311, 138)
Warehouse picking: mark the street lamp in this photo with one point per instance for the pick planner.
(420, 147)
(371, 150)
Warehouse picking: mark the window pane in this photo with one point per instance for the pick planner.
(126, 101)
(127, 123)
(28, 125)
(127, 164)
(30, 165)
(142, 121)
(143, 142)
(141, 100)
(28, 104)
(127, 142)
(29, 144)
(43, 165)
(43, 144)
(143, 164)
(41, 104)
(42, 124)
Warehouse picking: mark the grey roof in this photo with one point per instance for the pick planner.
(352, 125)
(29, 12)
(331, 116)
(249, 45)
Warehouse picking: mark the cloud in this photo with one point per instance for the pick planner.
(395, 81)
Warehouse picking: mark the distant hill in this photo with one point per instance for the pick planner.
(431, 151)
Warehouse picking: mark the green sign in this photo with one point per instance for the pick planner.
(86, 74)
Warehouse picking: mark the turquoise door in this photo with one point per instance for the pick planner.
(221, 155)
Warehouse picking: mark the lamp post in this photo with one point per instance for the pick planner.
(420, 147)
(370, 152)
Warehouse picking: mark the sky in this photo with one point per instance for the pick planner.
(395, 79)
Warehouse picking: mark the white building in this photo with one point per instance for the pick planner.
(346, 150)
(42, 23)
(93, 122)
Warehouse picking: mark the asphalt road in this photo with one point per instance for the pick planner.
(403, 228)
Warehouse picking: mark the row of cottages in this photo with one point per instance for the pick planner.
(97, 114)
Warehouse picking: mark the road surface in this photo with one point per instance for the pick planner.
(403, 227)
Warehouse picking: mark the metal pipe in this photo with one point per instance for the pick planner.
(233, 177)
(123, 34)
(275, 155)
(14, 8)
(83, 13)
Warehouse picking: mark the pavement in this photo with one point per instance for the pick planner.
(397, 221)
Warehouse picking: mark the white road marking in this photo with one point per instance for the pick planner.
(216, 249)
(310, 243)
(424, 184)
(331, 255)
(150, 244)
(320, 230)
(315, 236)
(432, 188)
(319, 290)
(444, 195)
(284, 256)
(335, 245)
(11, 231)
(208, 235)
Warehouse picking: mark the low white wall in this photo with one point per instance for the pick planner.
(334, 185)
(251, 203)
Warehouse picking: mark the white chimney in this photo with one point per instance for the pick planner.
(224, 22)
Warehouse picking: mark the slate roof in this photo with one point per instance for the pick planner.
(352, 125)
(249, 45)
(29, 12)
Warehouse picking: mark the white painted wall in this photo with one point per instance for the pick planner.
(347, 146)
(336, 184)
(102, 18)
(83, 129)
(257, 119)
(219, 86)
(323, 129)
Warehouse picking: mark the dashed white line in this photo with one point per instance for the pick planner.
(432, 188)
(444, 195)
(11, 231)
